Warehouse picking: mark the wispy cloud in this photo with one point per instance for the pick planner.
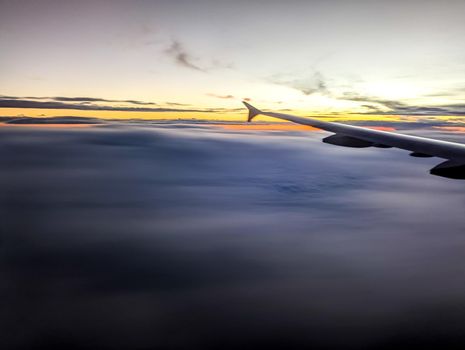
(317, 84)
(225, 97)
(391, 107)
(308, 85)
(228, 97)
(176, 104)
(183, 58)
(371, 102)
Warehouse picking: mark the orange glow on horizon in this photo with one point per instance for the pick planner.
(245, 127)
(267, 127)
(458, 129)
(233, 116)
(381, 128)
(285, 127)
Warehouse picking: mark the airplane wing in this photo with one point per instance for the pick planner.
(355, 136)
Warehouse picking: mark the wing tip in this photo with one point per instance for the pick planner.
(253, 112)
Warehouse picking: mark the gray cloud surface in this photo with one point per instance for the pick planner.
(186, 236)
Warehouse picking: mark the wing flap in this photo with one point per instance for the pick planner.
(347, 141)
(450, 169)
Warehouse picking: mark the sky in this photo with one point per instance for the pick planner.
(199, 59)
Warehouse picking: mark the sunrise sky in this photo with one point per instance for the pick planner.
(199, 59)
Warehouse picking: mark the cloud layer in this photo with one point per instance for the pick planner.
(187, 236)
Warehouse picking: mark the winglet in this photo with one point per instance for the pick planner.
(252, 111)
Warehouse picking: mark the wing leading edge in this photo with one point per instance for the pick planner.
(355, 136)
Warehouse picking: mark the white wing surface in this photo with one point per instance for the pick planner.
(355, 136)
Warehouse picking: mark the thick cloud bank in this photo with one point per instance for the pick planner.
(131, 237)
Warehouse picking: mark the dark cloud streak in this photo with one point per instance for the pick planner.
(92, 99)
(18, 103)
(76, 99)
(401, 108)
